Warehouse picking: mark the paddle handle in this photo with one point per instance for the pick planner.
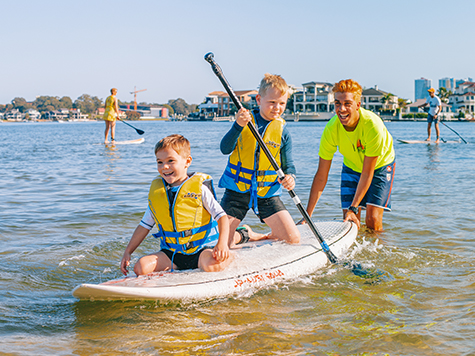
(209, 57)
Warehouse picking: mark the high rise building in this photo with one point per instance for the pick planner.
(421, 87)
(447, 83)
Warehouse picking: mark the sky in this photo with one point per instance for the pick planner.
(69, 48)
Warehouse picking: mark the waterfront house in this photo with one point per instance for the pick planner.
(14, 115)
(75, 115)
(208, 109)
(147, 112)
(315, 97)
(377, 100)
(57, 115)
(33, 114)
(463, 99)
(246, 97)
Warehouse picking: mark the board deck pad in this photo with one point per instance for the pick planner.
(426, 142)
(255, 265)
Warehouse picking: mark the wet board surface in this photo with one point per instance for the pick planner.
(129, 142)
(426, 142)
(255, 265)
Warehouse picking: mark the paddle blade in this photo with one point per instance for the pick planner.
(373, 274)
(140, 132)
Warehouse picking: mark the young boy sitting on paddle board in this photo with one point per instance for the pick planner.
(249, 178)
(187, 215)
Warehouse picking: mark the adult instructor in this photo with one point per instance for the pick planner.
(111, 113)
(368, 158)
(435, 106)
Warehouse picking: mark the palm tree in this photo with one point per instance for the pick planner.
(444, 94)
(386, 99)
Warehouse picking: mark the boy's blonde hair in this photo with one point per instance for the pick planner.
(349, 86)
(176, 142)
(273, 81)
(113, 89)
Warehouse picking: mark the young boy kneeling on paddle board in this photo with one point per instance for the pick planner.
(249, 178)
(187, 215)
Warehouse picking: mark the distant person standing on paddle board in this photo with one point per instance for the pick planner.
(368, 158)
(249, 178)
(193, 229)
(111, 113)
(435, 106)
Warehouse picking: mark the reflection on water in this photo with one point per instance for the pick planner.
(70, 205)
(112, 154)
(433, 155)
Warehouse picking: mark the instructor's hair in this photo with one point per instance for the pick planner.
(273, 81)
(349, 86)
(176, 142)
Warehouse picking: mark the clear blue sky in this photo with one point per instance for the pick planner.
(68, 48)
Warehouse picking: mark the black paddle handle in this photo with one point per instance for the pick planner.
(209, 57)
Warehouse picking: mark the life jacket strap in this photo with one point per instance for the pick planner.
(174, 236)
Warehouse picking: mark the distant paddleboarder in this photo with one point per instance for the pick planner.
(110, 114)
(435, 106)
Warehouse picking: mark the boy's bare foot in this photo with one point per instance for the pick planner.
(427, 139)
(246, 234)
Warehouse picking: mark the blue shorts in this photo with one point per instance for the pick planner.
(379, 192)
(431, 119)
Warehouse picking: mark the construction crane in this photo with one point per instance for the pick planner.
(135, 96)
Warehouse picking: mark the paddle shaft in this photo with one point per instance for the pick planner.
(219, 73)
(140, 132)
(454, 131)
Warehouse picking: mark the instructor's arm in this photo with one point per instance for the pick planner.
(363, 185)
(319, 183)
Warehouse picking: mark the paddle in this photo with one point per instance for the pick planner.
(331, 257)
(454, 131)
(140, 132)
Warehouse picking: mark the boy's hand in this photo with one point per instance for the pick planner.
(243, 116)
(124, 263)
(221, 252)
(288, 182)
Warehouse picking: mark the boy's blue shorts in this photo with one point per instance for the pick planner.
(379, 192)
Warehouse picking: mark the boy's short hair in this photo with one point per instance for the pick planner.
(113, 89)
(349, 86)
(177, 142)
(273, 81)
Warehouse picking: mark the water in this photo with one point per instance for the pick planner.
(68, 206)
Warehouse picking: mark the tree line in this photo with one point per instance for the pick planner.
(87, 104)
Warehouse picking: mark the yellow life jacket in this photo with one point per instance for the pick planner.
(248, 167)
(184, 225)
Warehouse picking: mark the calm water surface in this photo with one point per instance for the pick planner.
(68, 206)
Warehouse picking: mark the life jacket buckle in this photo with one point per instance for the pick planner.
(186, 233)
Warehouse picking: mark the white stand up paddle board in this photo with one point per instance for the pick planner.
(255, 265)
(129, 142)
(426, 142)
